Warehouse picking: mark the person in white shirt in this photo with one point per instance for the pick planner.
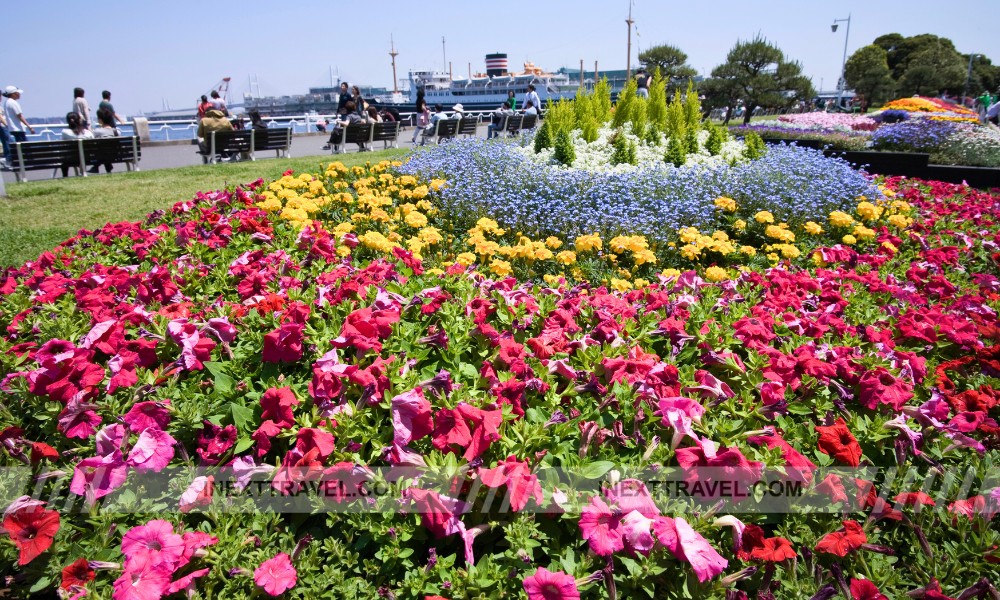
(529, 108)
(532, 97)
(497, 120)
(459, 112)
(75, 130)
(16, 122)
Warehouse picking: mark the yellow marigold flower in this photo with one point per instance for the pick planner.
(817, 259)
(863, 233)
(740, 225)
(868, 211)
(775, 232)
(726, 204)
(551, 279)
(772, 256)
(487, 248)
(849, 239)
(343, 228)
(465, 259)
(416, 219)
(789, 251)
(434, 271)
(588, 242)
(415, 245)
(543, 253)
(690, 252)
(437, 184)
(716, 274)
(723, 248)
(553, 242)
(640, 283)
(886, 192)
(620, 285)
(501, 268)
(813, 228)
(566, 257)
(841, 219)
(270, 205)
(704, 241)
(899, 221)
(487, 225)
(688, 234)
(748, 250)
(670, 273)
(430, 236)
(889, 246)
(618, 244)
(643, 257)
(764, 217)
(721, 236)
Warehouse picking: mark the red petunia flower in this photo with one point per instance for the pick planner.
(862, 589)
(32, 531)
(775, 549)
(837, 441)
(77, 573)
(840, 543)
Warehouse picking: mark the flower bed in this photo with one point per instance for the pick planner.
(933, 108)
(255, 335)
(949, 142)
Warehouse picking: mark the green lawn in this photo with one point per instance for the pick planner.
(37, 215)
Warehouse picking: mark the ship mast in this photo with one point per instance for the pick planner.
(393, 54)
(628, 61)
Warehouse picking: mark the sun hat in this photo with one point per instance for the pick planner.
(458, 107)
(12, 89)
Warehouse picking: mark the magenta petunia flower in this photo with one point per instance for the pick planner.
(153, 543)
(144, 415)
(277, 406)
(283, 344)
(549, 585)
(705, 561)
(97, 477)
(600, 526)
(276, 575)
(143, 581)
(411, 416)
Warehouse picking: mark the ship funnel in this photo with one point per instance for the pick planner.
(496, 65)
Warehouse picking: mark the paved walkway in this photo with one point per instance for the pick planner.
(171, 155)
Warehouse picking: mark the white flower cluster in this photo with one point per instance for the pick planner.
(595, 156)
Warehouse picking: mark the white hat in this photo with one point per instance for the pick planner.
(12, 89)
(458, 107)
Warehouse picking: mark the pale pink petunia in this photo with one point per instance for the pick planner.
(98, 476)
(705, 561)
(550, 585)
(186, 583)
(637, 534)
(153, 451)
(276, 575)
(632, 494)
(109, 439)
(411, 416)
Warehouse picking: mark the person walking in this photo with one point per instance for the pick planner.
(16, 123)
(423, 118)
(642, 84)
(81, 107)
(106, 104)
(345, 97)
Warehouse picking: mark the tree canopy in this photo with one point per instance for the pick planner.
(671, 61)
(758, 73)
(928, 65)
(867, 71)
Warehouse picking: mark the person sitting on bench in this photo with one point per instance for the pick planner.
(76, 130)
(351, 117)
(214, 120)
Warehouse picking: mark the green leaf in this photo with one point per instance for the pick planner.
(223, 382)
(597, 469)
(40, 585)
(242, 445)
(242, 416)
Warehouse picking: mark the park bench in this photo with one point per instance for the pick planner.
(78, 154)
(278, 139)
(387, 133)
(468, 126)
(516, 123)
(442, 129)
(226, 144)
(359, 134)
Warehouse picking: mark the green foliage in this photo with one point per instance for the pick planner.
(656, 108)
(755, 147)
(923, 64)
(692, 109)
(716, 137)
(623, 108)
(561, 116)
(624, 151)
(590, 131)
(670, 61)
(691, 140)
(543, 139)
(639, 118)
(676, 151)
(651, 135)
(564, 152)
(601, 101)
(675, 116)
(583, 107)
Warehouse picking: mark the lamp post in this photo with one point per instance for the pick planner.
(843, 64)
(968, 78)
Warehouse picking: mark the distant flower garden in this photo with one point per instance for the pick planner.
(782, 315)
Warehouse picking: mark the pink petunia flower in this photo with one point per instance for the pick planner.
(153, 451)
(97, 477)
(411, 416)
(144, 581)
(276, 575)
(549, 585)
(153, 543)
(599, 525)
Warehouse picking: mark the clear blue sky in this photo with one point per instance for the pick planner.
(148, 52)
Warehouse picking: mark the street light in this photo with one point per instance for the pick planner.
(843, 80)
(968, 78)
